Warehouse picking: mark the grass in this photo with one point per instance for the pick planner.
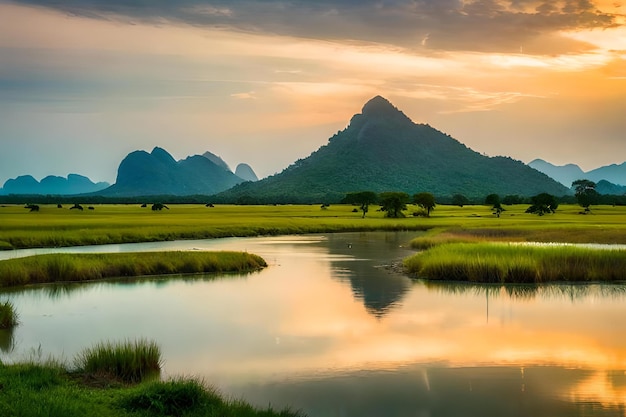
(514, 263)
(8, 315)
(50, 390)
(83, 267)
(52, 227)
(129, 362)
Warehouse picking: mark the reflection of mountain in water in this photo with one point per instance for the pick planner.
(366, 262)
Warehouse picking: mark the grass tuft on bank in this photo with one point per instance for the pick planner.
(128, 362)
(517, 263)
(49, 389)
(86, 267)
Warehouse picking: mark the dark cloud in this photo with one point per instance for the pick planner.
(470, 25)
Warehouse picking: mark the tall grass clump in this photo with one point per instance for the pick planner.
(8, 315)
(128, 361)
(513, 263)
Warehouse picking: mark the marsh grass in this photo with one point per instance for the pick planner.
(128, 361)
(33, 389)
(8, 315)
(513, 263)
(84, 267)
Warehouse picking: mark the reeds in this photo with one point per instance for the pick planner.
(85, 267)
(515, 263)
(8, 315)
(129, 361)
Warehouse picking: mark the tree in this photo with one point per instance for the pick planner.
(543, 203)
(393, 203)
(459, 200)
(585, 192)
(425, 201)
(494, 201)
(362, 198)
(511, 199)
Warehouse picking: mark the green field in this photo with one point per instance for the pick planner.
(54, 227)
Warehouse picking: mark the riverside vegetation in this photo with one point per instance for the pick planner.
(113, 379)
(65, 267)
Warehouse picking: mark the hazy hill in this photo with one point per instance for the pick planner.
(383, 150)
(614, 173)
(566, 174)
(245, 172)
(158, 173)
(216, 160)
(52, 185)
(607, 188)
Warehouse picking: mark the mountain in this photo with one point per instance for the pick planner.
(245, 172)
(158, 173)
(216, 160)
(383, 150)
(52, 185)
(565, 174)
(614, 173)
(607, 188)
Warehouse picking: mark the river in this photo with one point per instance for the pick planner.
(331, 328)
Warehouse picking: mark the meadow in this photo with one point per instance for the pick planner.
(54, 227)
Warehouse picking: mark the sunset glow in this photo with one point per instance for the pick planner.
(522, 79)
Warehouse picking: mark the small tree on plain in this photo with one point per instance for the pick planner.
(543, 203)
(393, 203)
(362, 198)
(585, 192)
(493, 200)
(425, 201)
(459, 200)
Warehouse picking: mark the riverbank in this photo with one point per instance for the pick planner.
(66, 267)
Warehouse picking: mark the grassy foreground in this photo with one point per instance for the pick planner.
(110, 380)
(514, 263)
(86, 267)
(53, 227)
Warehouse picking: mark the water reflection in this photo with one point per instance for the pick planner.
(572, 292)
(7, 340)
(367, 263)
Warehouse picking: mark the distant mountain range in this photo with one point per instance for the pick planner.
(52, 185)
(383, 150)
(566, 174)
(158, 173)
(380, 150)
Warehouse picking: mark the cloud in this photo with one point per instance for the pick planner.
(461, 25)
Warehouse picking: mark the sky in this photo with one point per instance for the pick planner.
(266, 82)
